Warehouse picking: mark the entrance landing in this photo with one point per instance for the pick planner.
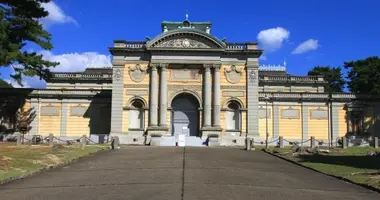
(175, 173)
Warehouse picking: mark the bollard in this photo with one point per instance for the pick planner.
(344, 142)
(281, 140)
(312, 142)
(18, 139)
(248, 144)
(51, 138)
(115, 142)
(376, 142)
(84, 141)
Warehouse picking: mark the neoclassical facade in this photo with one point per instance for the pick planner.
(185, 81)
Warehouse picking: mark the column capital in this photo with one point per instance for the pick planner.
(216, 67)
(154, 66)
(207, 67)
(163, 67)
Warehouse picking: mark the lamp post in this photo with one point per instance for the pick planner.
(266, 120)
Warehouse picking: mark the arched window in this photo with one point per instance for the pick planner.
(136, 115)
(233, 116)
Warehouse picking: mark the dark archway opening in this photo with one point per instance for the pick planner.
(185, 115)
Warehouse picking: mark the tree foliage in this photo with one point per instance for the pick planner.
(19, 26)
(4, 84)
(364, 75)
(333, 76)
(24, 118)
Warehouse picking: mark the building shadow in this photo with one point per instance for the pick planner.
(356, 161)
(11, 100)
(99, 114)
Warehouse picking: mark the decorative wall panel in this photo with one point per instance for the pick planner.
(290, 113)
(318, 114)
(49, 111)
(262, 113)
(185, 75)
(78, 111)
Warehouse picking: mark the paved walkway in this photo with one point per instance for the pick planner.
(182, 173)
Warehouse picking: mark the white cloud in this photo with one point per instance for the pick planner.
(56, 15)
(308, 45)
(263, 57)
(272, 39)
(70, 62)
(76, 62)
(16, 85)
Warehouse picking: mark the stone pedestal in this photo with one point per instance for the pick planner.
(157, 130)
(213, 141)
(155, 141)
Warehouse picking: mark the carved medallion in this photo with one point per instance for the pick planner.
(137, 73)
(117, 74)
(252, 76)
(233, 74)
(183, 43)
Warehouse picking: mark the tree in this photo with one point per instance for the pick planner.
(333, 76)
(19, 26)
(4, 84)
(23, 120)
(364, 75)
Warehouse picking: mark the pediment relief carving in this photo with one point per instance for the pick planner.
(183, 43)
(233, 74)
(137, 73)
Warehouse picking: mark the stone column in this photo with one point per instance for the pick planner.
(64, 111)
(163, 95)
(216, 100)
(117, 97)
(305, 122)
(153, 108)
(207, 97)
(276, 121)
(252, 97)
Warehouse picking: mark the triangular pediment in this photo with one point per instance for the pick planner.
(185, 40)
(183, 43)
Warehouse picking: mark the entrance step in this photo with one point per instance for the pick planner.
(193, 141)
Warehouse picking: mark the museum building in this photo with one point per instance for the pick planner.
(187, 81)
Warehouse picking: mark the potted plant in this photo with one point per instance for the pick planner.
(155, 139)
(213, 140)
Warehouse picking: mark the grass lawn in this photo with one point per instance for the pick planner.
(16, 161)
(352, 163)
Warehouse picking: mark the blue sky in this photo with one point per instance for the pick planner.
(333, 31)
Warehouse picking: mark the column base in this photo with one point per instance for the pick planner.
(161, 130)
(208, 130)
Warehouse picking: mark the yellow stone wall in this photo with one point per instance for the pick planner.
(77, 125)
(290, 128)
(50, 124)
(342, 127)
(263, 126)
(319, 128)
(125, 121)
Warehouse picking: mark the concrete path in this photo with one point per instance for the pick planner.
(182, 173)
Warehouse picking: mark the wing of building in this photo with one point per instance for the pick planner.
(185, 81)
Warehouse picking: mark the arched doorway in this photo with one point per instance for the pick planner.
(185, 115)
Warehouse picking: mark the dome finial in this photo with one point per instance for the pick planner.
(187, 16)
